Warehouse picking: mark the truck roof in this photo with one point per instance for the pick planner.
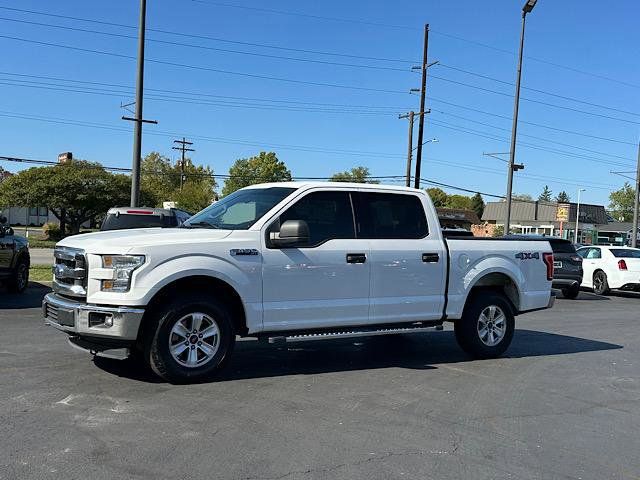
(317, 184)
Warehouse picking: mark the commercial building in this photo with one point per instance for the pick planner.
(540, 218)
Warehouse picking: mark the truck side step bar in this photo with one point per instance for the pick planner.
(350, 333)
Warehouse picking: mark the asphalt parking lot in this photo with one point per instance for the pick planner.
(563, 403)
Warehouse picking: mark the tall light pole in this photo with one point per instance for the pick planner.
(575, 234)
(527, 8)
(636, 201)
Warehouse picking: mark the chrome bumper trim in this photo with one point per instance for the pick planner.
(125, 320)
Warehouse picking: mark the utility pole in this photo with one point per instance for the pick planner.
(183, 147)
(423, 92)
(138, 121)
(410, 116)
(527, 8)
(636, 200)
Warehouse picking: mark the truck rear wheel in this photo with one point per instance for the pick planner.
(193, 339)
(486, 327)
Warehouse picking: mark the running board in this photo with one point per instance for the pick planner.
(351, 333)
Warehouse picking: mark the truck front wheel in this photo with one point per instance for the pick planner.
(192, 340)
(486, 327)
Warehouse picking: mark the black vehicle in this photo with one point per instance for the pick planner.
(567, 264)
(14, 259)
(121, 218)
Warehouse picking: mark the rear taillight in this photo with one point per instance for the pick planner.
(622, 265)
(547, 258)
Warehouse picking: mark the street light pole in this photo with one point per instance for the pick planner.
(528, 6)
(636, 201)
(575, 234)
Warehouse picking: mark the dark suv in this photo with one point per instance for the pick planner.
(14, 259)
(121, 218)
(567, 264)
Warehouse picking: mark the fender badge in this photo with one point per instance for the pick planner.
(527, 255)
(235, 252)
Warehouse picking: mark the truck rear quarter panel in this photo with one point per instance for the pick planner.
(473, 260)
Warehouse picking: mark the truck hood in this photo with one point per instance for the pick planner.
(123, 241)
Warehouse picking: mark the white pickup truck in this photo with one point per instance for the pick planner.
(295, 261)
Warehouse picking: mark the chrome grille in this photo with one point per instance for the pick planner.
(70, 272)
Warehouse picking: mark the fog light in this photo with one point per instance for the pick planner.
(101, 320)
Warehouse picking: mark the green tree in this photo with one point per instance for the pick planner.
(545, 196)
(621, 203)
(563, 197)
(75, 191)
(438, 197)
(459, 201)
(355, 175)
(160, 182)
(523, 197)
(477, 204)
(262, 168)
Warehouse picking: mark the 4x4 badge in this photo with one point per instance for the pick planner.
(528, 255)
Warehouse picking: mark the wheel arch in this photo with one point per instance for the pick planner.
(208, 286)
(499, 282)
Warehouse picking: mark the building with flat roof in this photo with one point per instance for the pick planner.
(538, 217)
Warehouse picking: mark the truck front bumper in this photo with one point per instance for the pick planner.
(95, 321)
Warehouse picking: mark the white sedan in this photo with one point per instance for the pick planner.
(607, 267)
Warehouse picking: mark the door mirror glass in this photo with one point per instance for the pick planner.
(292, 233)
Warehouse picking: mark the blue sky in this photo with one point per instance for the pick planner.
(586, 50)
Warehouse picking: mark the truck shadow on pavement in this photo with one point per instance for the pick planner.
(31, 298)
(421, 351)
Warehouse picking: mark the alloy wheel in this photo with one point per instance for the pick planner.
(492, 325)
(194, 340)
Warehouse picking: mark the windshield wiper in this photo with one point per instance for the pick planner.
(200, 224)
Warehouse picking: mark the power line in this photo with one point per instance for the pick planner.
(531, 100)
(189, 100)
(302, 82)
(204, 94)
(203, 68)
(322, 62)
(319, 52)
(556, 129)
(525, 144)
(533, 136)
(545, 92)
(298, 102)
(204, 47)
(214, 39)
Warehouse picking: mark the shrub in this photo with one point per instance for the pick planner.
(51, 231)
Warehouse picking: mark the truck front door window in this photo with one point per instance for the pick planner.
(328, 215)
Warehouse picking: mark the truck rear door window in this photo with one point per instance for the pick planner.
(390, 216)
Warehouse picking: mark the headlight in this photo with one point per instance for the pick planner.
(123, 267)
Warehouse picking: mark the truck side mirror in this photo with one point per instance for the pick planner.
(292, 233)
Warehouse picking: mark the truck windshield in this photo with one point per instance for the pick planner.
(240, 210)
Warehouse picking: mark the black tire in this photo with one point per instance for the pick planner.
(157, 346)
(468, 328)
(571, 292)
(20, 277)
(600, 283)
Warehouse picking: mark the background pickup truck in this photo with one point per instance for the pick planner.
(292, 260)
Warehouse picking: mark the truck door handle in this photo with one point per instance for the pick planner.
(430, 257)
(356, 257)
